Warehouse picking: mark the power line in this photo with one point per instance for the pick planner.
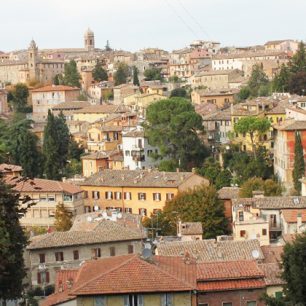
(194, 19)
(182, 19)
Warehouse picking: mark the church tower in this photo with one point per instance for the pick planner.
(32, 61)
(89, 40)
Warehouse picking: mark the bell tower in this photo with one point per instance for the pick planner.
(32, 60)
(89, 40)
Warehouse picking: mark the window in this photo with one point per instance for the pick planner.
(51, 198)
(203, 304)
(149, 152)
(127, 196)
(118, 195)
(133, 300)
(167, 299)
(169, 196)
(95, 195)
(42, 258)
(142, 211)
(112, 251)
(127, 153)
(67, 197)
(241, 216)
(242, 233)
(130, 249)
(128, 210)
(264, 232)
(59, 256)
(108, 195)
(96, 252)
(99, 301)
(141, 196)
(251, 303)
(43, 277)
(75, 254)
(156, 197)
(227, 304)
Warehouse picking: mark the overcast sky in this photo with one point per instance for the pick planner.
(136, 24)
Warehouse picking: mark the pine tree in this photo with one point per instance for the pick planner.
(281, 80)
(99, 74)
(62, 218)
(71, 74)
(12, 242)
(299, 164)
(23, 148)
(18, 98)
(135, 76)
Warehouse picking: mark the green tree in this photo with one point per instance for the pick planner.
(12, 242)
(269, 187)
(63, 138)
(63, 220)
(135, 76)
(258, 79)
(297, 83)
(58, 79)
(294, 270)
(99, 73)
(18, 98)
(179, 92)
(298, 61)
(299, 164)
(174, 127)
(252, 126)
(244, 93)
(71, 74)
(281, 80)
(23, 148)
(153, 74)
(198, 205)
(121, 75)
(168, 165)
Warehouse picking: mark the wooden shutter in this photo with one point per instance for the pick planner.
(38, 278)
(47, 277)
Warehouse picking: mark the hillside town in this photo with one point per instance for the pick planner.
(155, 177)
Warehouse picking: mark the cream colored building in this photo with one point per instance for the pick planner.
(45, 98)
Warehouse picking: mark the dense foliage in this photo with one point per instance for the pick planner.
(99, 74)
(63, 220)
(71, 74)
(18, 98)
(153, 74)
(299, 164)
(122, 74)
(135, 76)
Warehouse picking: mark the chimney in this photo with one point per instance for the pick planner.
(299, 223)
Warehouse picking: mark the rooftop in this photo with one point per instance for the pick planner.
(227, 193)
(290, 125)
(191, 228)
(71, 105)
(103, 109)
(55, 88)
(8, 168)
(291, 215)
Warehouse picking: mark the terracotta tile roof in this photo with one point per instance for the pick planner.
(105, 231)
(290, 125)
(210, 250)
(55, 88)
(271, 253)
(231, 285)
(290, 215)
(227, 193)
(71, 105)
(42, 185)
(6, 168)
(57, 298)
(111, 128)
(103, 109)
(273, 202)
(228, 270)
(272, 274)
(289, 238)
(135, 133)
(129, 275)
(191, 228)
(138, 178)
(218, 115)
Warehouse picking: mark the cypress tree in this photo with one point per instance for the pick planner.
(135, 76)
(12, 242)
(62, 139)
(299, 164)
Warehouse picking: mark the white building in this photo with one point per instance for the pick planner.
(137, 152)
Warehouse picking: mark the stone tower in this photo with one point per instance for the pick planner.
(89, 40)
(32, 61)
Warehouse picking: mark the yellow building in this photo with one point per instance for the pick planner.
(220, 98)
(140, 102)
(136, 191)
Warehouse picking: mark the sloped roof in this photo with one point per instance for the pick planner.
(6, 168)
(237, 284)
(272, 274)
(130, 274)
(71, 105)
(191, 228)
(55, 88)
(290, 215)
(226, 193)
(210, 250)
(105, 231)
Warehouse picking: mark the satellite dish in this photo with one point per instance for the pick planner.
(146, 253)
(89, 219)
(147, 246)
(119, 216)
(255, 254)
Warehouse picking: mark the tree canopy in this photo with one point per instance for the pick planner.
(153, 74)
(122, 74)
(299, 163)
(71, 74)
(99, 74)
(198, 205)
(12, 241)
(63, 220)
(179, 92)
(175, 127)
(18, 98)
(135, 76)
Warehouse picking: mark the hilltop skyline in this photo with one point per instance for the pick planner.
(167, 24)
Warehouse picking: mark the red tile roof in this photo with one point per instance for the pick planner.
(290, 215)
(55, 88)
(6, 168)
(57, 298)
(41, 185)
(126, 274)
(231, 285)
(271, 253)
(228, 270)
